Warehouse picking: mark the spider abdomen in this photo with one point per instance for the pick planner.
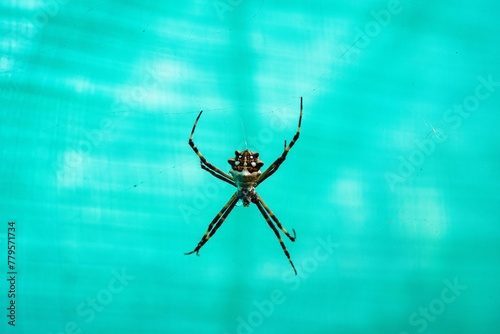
(246, 182)
(244, 179)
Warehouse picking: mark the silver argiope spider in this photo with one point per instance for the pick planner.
(245, 175)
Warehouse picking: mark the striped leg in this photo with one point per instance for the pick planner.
(217, 175)
(217, 221)
(277, 221)
(275, 165)
(263, 211)
(207, 165)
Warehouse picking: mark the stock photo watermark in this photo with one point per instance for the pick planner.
(363, 36)
(424, 316)
(32, 26)
(223, 6)
(29, 28)
(89, 309)
(265, 308)
(11, 273)
(452, 118)
(121, 108)
(200, 200)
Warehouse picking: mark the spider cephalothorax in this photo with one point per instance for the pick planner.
(246, 160)
(245, 175)
(245, 172)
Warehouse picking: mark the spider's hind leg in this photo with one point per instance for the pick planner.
(278, 223)
(264, 210)
(216, 223)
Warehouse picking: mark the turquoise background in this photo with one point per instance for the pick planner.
(392, 188)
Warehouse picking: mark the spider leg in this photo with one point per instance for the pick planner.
(276, 220)
(204, 163)
(276, 164)
(220, 177)
(264, 213)
(217, 221)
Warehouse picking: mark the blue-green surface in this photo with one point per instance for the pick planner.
(392, 188)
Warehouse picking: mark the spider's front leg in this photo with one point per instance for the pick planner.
(204, 163)
(276, 164)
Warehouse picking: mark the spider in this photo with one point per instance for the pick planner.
(245, 175)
